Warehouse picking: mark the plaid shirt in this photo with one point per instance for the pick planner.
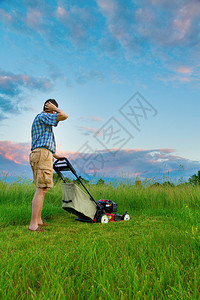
(42, 131)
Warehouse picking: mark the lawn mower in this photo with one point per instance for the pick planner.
(82, 204)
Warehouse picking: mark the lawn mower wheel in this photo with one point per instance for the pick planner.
(126, 217)
(103, 218)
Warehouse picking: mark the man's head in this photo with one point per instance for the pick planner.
(52, 101)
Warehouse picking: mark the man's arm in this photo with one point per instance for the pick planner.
(61, 115)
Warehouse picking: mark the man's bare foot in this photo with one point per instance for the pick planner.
(43, 224)
(38, 229)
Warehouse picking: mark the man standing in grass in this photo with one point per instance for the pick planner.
(43, 148)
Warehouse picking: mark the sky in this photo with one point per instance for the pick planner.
(126, 73)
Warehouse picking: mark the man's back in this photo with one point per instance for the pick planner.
(42, 132)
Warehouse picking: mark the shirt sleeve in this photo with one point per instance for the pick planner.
(49, 119)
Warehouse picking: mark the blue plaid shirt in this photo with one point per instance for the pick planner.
(42, 131)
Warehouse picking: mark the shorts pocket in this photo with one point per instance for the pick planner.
(44, 177)
(34, 157)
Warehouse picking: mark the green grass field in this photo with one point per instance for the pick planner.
(155, 255)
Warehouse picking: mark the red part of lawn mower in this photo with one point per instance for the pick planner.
(108, 208)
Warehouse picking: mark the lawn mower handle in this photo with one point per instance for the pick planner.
(67, 163)
(66, 166)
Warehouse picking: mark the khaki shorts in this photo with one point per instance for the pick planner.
(41, 161)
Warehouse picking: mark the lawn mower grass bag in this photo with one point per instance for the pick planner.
(77, 201)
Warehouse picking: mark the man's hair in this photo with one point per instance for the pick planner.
(52, 101)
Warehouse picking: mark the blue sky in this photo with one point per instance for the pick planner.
(103, 61)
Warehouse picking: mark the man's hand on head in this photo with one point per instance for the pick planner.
(50, 107)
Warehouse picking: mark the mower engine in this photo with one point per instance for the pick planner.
(109, 209)
(108, 206)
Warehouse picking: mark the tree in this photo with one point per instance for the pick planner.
(100, 182)
(168, 183)
(195, 179)
(84, 181)
(56, 178)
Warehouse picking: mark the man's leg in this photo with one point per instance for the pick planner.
(40, 211)
(37, 205)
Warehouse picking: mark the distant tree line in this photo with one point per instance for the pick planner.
(193, 180)
(56, 178)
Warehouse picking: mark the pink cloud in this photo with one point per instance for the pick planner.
(87, 130)
(19, 152)
(16, 152)
(108, 7)
(5, 16)
(68, 154)
(61, 12)
(92, 118)
(184, 19)
(184, 70)
(34, 19)
(166, 150)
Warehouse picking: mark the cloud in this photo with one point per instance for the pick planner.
(183, 74)
(184, 70)
(34, 19)
(11, 84)
(87, 130)
(158, 31)
(168, 23)
(56, 74)
(6, 105)
(96, 75)
(16, 152)
(19, 152)
(73, 23)
(109, 46)
(83, 77)
(5, 17)
(92, 118)
(140, 27)
(120, 21)
(2, 117)
(78, 23)
(133, 162)
(130, 162)
(146, 31)
(11, 88)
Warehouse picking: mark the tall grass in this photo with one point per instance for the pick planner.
(155, 255)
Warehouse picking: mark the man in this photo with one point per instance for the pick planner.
(43, 150)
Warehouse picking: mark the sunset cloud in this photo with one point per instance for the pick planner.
(92, 118)
(184, 70)
(130, 162)
(87, 130)
(19, 152)
(15, 152)
(137, 28)
(135, 162)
